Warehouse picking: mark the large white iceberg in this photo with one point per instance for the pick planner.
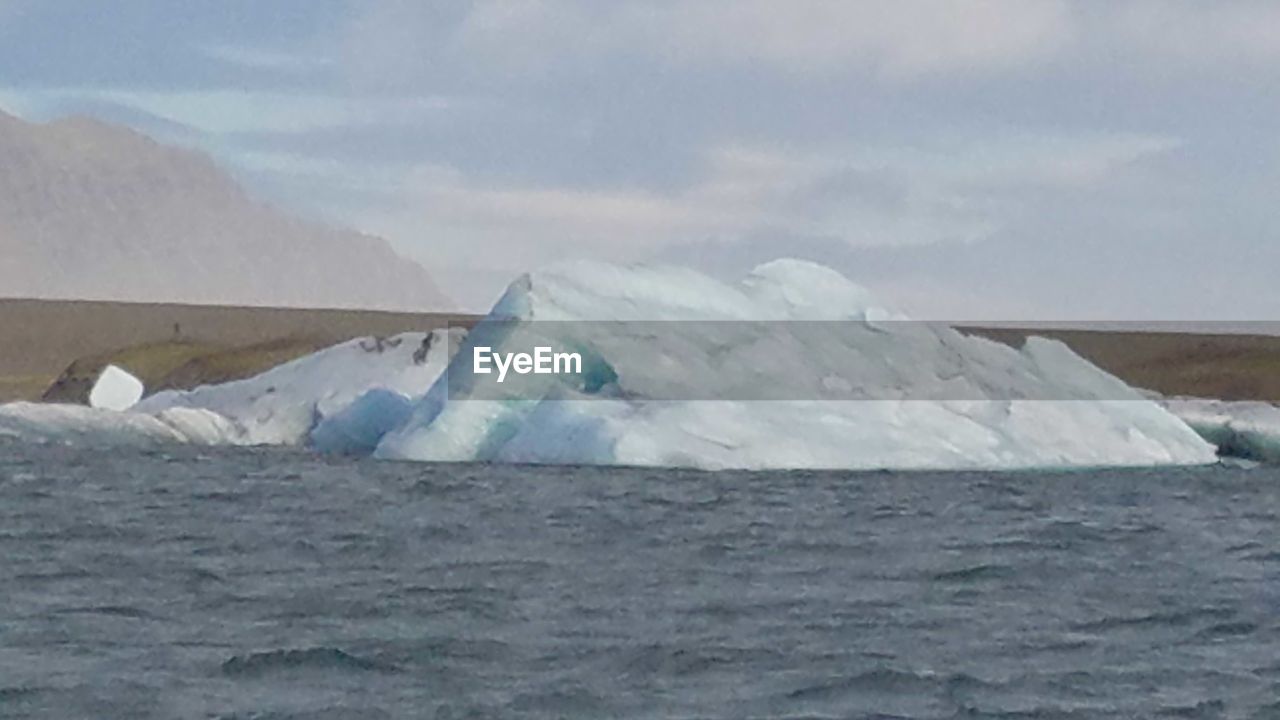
(793, 367)
(758, 387)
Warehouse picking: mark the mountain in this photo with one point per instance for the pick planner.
(90, 210)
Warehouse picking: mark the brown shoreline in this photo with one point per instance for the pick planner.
(41, 339)
(1223, 366)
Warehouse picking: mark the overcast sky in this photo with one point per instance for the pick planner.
(997, 159)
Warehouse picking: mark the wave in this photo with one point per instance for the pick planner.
(319, 658)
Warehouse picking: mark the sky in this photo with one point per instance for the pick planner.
(966, 159)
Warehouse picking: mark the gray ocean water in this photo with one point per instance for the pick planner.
(182, 583)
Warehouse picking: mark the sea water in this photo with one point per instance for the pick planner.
(186, 583)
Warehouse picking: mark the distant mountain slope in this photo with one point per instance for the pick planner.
(96, 211)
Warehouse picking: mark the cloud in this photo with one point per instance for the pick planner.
(862, 195)
(489, 136)
(896, 41)
(1187, 32)
(397, 42)
(262, 59)
(236, 111)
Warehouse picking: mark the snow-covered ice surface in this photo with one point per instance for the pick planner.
(284, 404)
(115, 389)
(1249, 430)
(877, 393)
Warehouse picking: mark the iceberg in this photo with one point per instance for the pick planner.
(115, 389)
(793, 367)
(349, 395)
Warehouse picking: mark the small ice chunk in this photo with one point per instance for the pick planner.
(115, 389)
